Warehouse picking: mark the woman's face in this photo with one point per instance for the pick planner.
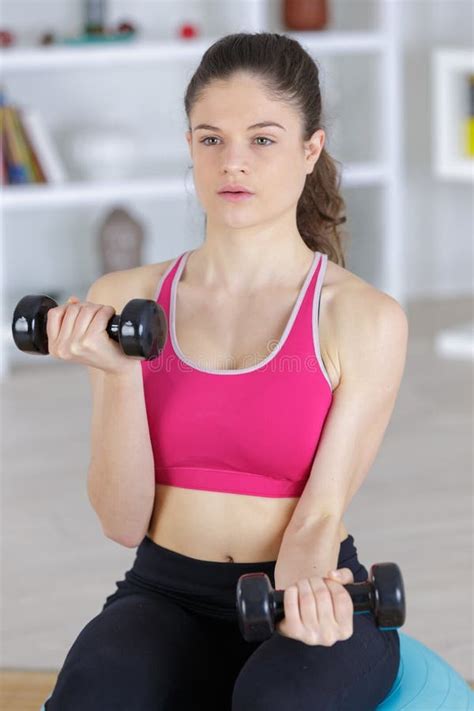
(270, 161)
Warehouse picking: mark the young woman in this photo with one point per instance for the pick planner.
(241, 446)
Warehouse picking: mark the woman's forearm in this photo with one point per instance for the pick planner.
(308, 550)
(121, 483)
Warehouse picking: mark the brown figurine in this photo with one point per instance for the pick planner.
(120, 241)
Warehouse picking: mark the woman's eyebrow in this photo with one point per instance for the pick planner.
(261, 124)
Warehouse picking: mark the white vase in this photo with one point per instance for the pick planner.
(103, 153)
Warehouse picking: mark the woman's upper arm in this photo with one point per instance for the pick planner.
(102, 291)
(116, 289)
(372, 333)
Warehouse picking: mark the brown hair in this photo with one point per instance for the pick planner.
(290, 74)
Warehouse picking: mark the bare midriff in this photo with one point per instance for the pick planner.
(217, 526)
(221, 527)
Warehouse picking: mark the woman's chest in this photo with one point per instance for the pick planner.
(219, 333)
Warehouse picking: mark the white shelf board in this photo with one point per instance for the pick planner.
(20, 197)
(456, 342)
(138, 51)
(460, 170)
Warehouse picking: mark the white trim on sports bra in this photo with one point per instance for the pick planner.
(315, 319)
(238, 371)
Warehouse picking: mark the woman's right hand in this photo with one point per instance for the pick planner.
(77, 332)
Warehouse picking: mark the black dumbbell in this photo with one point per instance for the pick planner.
(140, 330)
(260, 607)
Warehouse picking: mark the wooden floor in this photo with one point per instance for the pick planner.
(27, 691)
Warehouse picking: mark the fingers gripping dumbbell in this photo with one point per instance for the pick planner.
(260, 607)
(140, 330)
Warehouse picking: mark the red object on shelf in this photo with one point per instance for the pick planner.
(126, 27)
(305, 14)
(188, 30)
(6, 38)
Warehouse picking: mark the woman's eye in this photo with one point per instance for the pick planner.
(214, 138)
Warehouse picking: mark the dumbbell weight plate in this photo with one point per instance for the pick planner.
(259, 607)
(30, 334)
(142, 328)
(389, 594)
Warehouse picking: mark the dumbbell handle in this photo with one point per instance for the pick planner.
(113, 326)
(362, 595)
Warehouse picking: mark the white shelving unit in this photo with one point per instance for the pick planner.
(140, 51)
(450, 67)
(382, 43)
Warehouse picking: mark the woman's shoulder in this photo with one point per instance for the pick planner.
(350, 307)
(346, 292)
(117, 288)
(147, 277)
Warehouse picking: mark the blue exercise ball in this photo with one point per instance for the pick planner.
(425, 682)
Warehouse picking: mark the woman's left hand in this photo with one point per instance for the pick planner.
(318, 611)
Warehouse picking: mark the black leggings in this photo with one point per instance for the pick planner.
(168, 640)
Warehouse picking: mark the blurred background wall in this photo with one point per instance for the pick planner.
(410, 223)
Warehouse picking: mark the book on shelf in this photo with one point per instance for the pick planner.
(44, 145)
(28, 153)
(468, 122)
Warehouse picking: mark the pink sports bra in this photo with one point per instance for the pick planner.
(251, 431)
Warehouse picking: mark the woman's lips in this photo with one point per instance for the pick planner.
(235, 197)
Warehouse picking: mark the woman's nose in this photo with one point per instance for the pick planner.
(234, 160)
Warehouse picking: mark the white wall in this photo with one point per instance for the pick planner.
(440, 215)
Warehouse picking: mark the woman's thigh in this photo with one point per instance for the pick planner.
(353, 675)
(142, 652)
